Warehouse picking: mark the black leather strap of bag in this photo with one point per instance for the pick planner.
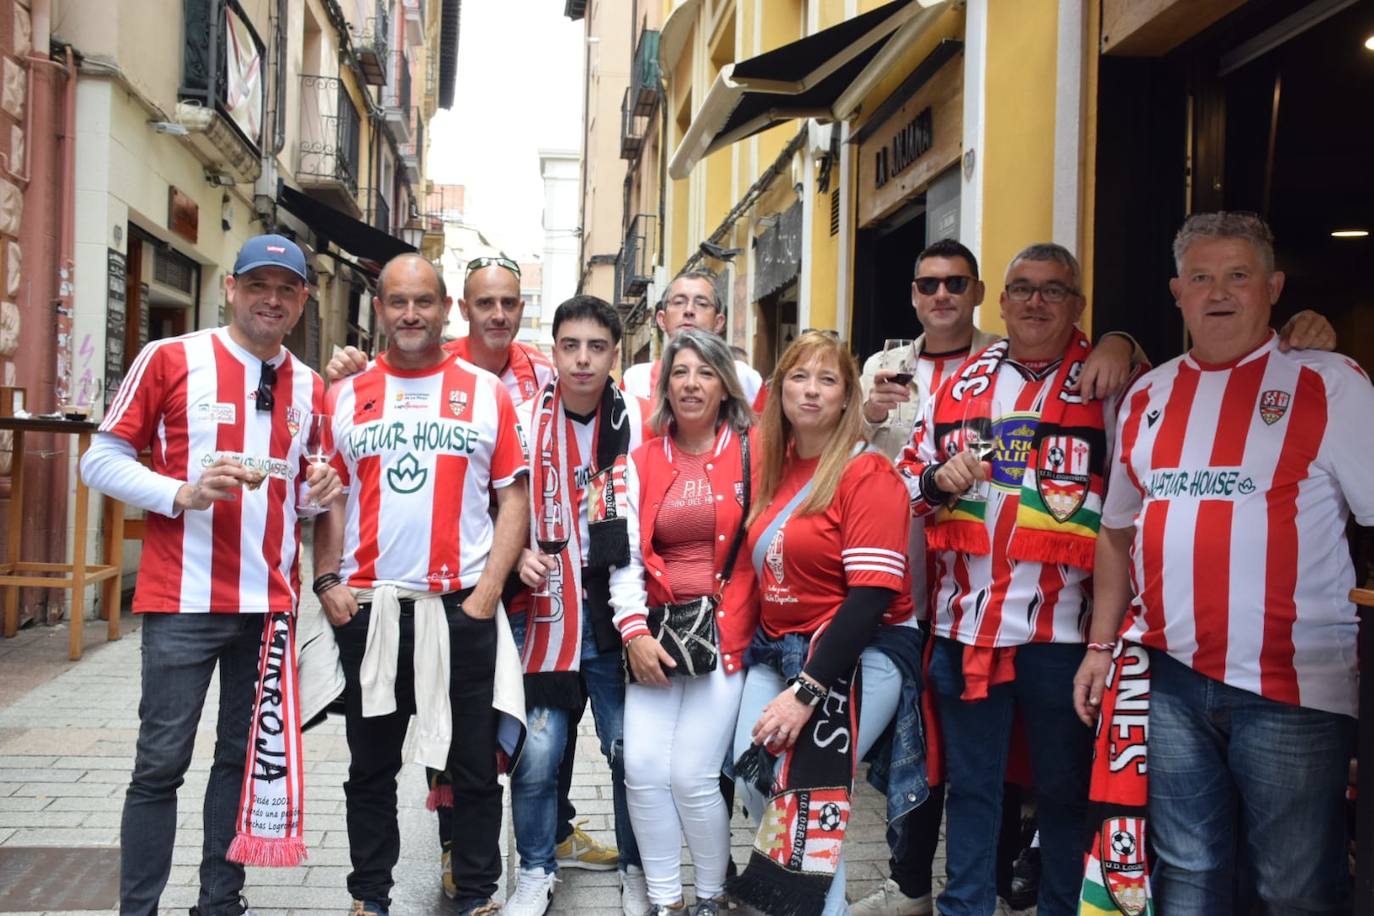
(743, 529)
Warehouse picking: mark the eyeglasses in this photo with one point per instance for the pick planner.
(264, 400)
(956, 284)
(1053, 293)
(681, 301)
(507, 263)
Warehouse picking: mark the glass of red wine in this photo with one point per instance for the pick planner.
(551, 534)
(905, 371)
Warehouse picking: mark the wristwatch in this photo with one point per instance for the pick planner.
(804, 691)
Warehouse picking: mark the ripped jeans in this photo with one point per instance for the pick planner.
(534, 785)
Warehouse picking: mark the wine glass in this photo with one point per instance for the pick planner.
(978, 438)
(902, 364)
(551, 534)
(317, 439)
(318, 446)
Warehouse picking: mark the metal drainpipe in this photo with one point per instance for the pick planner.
(66, 265)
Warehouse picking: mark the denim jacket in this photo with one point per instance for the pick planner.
(897, 760)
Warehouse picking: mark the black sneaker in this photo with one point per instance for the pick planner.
(1025, 879)
(238, 909)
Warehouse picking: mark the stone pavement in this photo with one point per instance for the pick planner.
(67, 733)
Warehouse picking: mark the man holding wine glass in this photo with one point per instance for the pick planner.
(1014, 565)
(581, 428)
(410, 575)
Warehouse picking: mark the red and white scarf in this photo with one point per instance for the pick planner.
(1060, 507)
(269, 831)
(553, 642)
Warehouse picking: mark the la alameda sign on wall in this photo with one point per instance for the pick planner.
(908, 144)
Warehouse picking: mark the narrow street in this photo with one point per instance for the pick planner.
(67, 734)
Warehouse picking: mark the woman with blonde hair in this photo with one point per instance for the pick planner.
(828, 540)
(687, 607)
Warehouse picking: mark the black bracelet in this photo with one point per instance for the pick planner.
(931, 490)
(325, 582)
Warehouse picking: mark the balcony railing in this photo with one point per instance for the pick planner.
(220, 98)
(644, 75)
(635, 266)
(370, 47)
(633, 127)
(413, 150)
(330, 131)
(396, 97)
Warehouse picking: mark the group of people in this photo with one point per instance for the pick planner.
(892, 566)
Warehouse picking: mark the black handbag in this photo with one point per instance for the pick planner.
(687, 630)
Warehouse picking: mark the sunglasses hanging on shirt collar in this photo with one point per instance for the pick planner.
(264, 400)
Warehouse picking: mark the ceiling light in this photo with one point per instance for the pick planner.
(1350, 234)
(1369, 42)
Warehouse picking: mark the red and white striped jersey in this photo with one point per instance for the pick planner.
(192, 399)
(527, 371)
(814, 560)
(581, 444)
(993, 600)
(420, 452)
(1238, 480)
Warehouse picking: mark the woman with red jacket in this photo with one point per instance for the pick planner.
(685, 493)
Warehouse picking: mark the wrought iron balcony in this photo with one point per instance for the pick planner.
(413, 150)
(378, 213)
(633, 127)
(330, 131)
(644, 74)
(220, 100)
(396, 96)
(635, 265)
(370, 47)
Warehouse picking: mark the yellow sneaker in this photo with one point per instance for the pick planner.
(579, 850)
(446, 876)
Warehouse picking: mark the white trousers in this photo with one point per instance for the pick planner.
(676, 739)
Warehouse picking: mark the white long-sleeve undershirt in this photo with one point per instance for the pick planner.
(111, 466)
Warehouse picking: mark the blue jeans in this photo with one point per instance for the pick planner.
(1222, 758)
(534, 786)
(180, 652)
(976, 738)
(882, 689)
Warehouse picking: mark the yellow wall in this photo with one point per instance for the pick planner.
(1017, 158)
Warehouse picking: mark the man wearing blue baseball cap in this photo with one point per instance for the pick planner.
(221, 410)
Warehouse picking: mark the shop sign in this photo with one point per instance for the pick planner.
(183, 214)
(908, 145)
(921, 139)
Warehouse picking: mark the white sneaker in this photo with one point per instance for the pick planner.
(889, 900)
(533, 891)
(634, 892)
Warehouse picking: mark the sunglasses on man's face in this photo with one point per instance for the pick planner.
(507, 263)
(264, 400)
(956, 284)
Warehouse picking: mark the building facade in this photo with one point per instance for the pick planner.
(306, 118)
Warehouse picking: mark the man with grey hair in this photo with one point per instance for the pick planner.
(1224, 538)
(1006, 465)
(690, 302)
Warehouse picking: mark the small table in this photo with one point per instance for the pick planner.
(76, 575)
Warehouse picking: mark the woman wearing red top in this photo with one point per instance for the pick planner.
(828, 539)
(685, 497)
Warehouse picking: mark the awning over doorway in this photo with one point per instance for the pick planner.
(353, 235)
(809, 78)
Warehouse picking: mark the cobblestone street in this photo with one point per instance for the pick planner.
(67, 733)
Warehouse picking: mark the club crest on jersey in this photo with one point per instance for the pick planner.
(457, 402)
(294, 417)
(1063, 475)
(773, 558)
(1124, 872)
(739, 492)
(1273, 404)
(527, 386)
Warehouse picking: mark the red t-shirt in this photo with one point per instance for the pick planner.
(684, 533)
(859, 540)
